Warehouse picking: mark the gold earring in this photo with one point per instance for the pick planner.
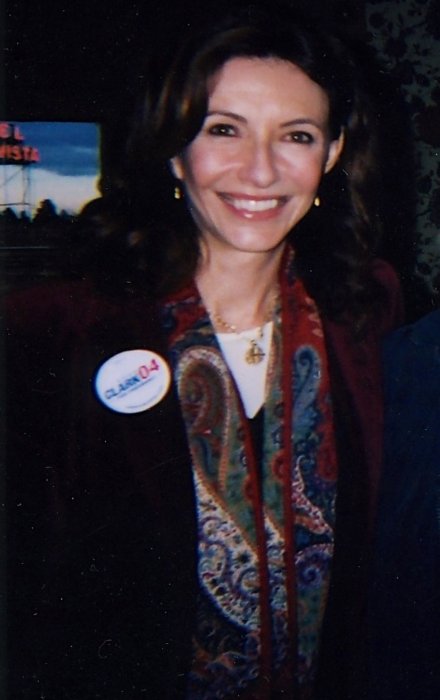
(317, 201)
(177, 192)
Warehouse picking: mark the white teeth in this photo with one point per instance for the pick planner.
(254, 204)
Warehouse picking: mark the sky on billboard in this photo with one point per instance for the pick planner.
(67, 171)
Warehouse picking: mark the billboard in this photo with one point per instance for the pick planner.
(56, 161)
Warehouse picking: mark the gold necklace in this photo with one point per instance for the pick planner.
(254, 353)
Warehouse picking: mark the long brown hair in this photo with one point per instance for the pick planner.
(334, 243)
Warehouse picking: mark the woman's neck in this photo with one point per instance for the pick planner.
(239, 290)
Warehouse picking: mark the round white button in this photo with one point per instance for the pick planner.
(132, 381)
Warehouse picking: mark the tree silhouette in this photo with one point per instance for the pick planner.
(46, 212)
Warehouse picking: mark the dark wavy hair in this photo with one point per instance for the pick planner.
(145, 226)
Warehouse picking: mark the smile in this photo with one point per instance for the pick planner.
(248, 204)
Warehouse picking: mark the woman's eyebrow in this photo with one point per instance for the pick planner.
(229, 115)
(302, 120)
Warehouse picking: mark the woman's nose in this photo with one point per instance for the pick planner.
(259, 165)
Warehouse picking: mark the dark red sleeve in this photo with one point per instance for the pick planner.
(392, 315)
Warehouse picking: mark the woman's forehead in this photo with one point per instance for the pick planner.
(266, 83)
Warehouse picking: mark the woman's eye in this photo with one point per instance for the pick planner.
(300, 137)
(222, 130)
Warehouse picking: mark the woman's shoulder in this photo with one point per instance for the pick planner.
(71, 305)
(33, 307)
(392, 306)
(385, 274)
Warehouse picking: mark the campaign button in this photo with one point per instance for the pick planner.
(132, 381)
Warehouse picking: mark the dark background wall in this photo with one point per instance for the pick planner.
(406, 37)
(72, 60)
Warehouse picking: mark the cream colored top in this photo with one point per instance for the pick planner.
(249, 378)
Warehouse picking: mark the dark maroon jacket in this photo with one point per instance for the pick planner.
(101, 515)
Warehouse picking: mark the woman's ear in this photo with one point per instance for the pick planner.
(176, 167)
(334, 152)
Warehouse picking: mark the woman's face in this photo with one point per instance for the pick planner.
(253, 170)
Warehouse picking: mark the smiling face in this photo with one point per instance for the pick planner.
(253, 170)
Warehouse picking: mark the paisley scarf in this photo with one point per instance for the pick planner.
(265, 526)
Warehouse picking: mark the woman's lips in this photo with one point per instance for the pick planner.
(253, 207)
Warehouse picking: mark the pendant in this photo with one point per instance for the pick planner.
(254, 355)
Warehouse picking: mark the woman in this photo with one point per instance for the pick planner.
(215, 544)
